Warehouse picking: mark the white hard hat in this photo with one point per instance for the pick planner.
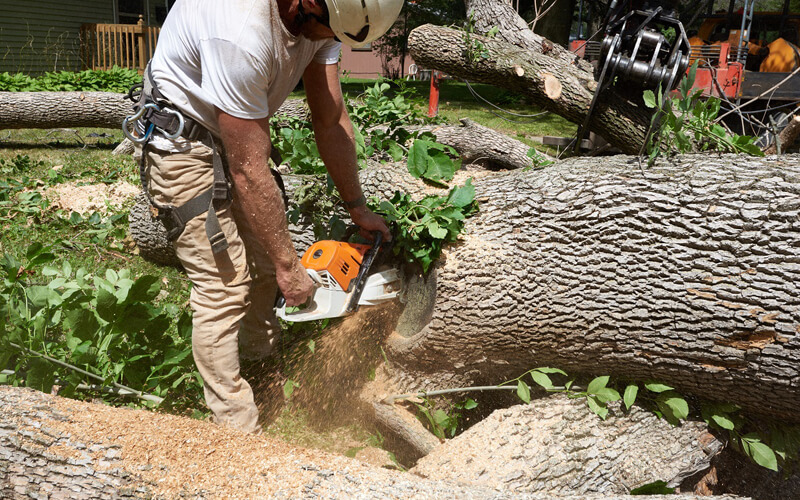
(358, 22)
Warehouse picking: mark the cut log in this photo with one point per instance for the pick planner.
(62, 109)
(481, 145)
(51, 447)
(86, 109)
(526, 63)
(688, 273)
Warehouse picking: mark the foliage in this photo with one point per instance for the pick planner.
(385, 118)
(421, 228)
(107, 324)
(769, 448)
(443, 423)
(538, 160)
(654, 488)
(688, 124)
(475, 50)
(113, 80)
(432, 162)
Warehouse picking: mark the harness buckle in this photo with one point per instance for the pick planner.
(181, 124)
(129, 131)
(172, 221)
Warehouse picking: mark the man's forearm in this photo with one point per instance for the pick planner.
(257, 198)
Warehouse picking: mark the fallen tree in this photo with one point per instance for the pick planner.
(521, 61)
(54, 447)
(686, 272)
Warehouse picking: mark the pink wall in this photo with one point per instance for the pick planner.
(367, 63)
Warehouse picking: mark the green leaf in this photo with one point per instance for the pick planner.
(654, 488)
(630, 395)
(542, 379)
(470, 404)
(723, 421)
(288, 388)
(597, 407)
(523, 391)
(596, 384)
(607, 394)
(435, 231)
(312, 346)
(656, 387)
(462, 196)
(144, 289)
(759, 452)
(649, 99)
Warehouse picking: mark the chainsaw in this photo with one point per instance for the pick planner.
(344, 280)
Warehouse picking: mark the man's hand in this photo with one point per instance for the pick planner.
(295, 284)
(369, 222)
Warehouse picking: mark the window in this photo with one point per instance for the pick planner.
(128, 11)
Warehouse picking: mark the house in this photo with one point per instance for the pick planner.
(46, 35)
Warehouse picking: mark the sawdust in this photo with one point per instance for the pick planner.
(85, 199)
(176, 455)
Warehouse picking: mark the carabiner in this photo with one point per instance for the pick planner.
(181, 123)
(128, 131)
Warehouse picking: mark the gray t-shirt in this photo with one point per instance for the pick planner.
(235, 55)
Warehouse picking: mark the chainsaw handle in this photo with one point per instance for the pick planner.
(280, 300)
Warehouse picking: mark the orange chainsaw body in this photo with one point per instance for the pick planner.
(341, 260)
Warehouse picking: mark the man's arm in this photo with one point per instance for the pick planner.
(336, 143)
(258, 199)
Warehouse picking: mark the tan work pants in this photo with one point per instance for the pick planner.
(234, 291)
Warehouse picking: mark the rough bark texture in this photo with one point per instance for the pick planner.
(48, 449)
(516, 48)
(86, 109)
(481, 145)
(556, 445)
(687, 272)
(62, 109)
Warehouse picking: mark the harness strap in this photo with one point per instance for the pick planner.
(217, 197)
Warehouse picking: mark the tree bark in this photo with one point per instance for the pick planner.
(55, 448)
(521, 61)
(62, 109)
(687, 273)
(557, 446)
(86, 109)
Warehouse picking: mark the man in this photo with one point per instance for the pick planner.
(225, 66)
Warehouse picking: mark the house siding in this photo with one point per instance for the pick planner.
(43, 35)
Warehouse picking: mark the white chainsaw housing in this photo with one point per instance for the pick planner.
(330, 300)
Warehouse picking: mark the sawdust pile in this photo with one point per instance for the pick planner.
(85, 199)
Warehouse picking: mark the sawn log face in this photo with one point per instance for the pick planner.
(688, 272)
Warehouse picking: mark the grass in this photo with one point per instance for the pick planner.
(456, 101)
(34, 160)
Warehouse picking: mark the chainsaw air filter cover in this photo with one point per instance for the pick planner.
(340, 260)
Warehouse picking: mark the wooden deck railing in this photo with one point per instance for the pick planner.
(104, 46)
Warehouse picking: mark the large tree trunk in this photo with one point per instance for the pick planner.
(687, 272)
(56, 448)
(521, 61)
(85, 109)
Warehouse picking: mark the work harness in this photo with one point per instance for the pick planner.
(153, 112)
